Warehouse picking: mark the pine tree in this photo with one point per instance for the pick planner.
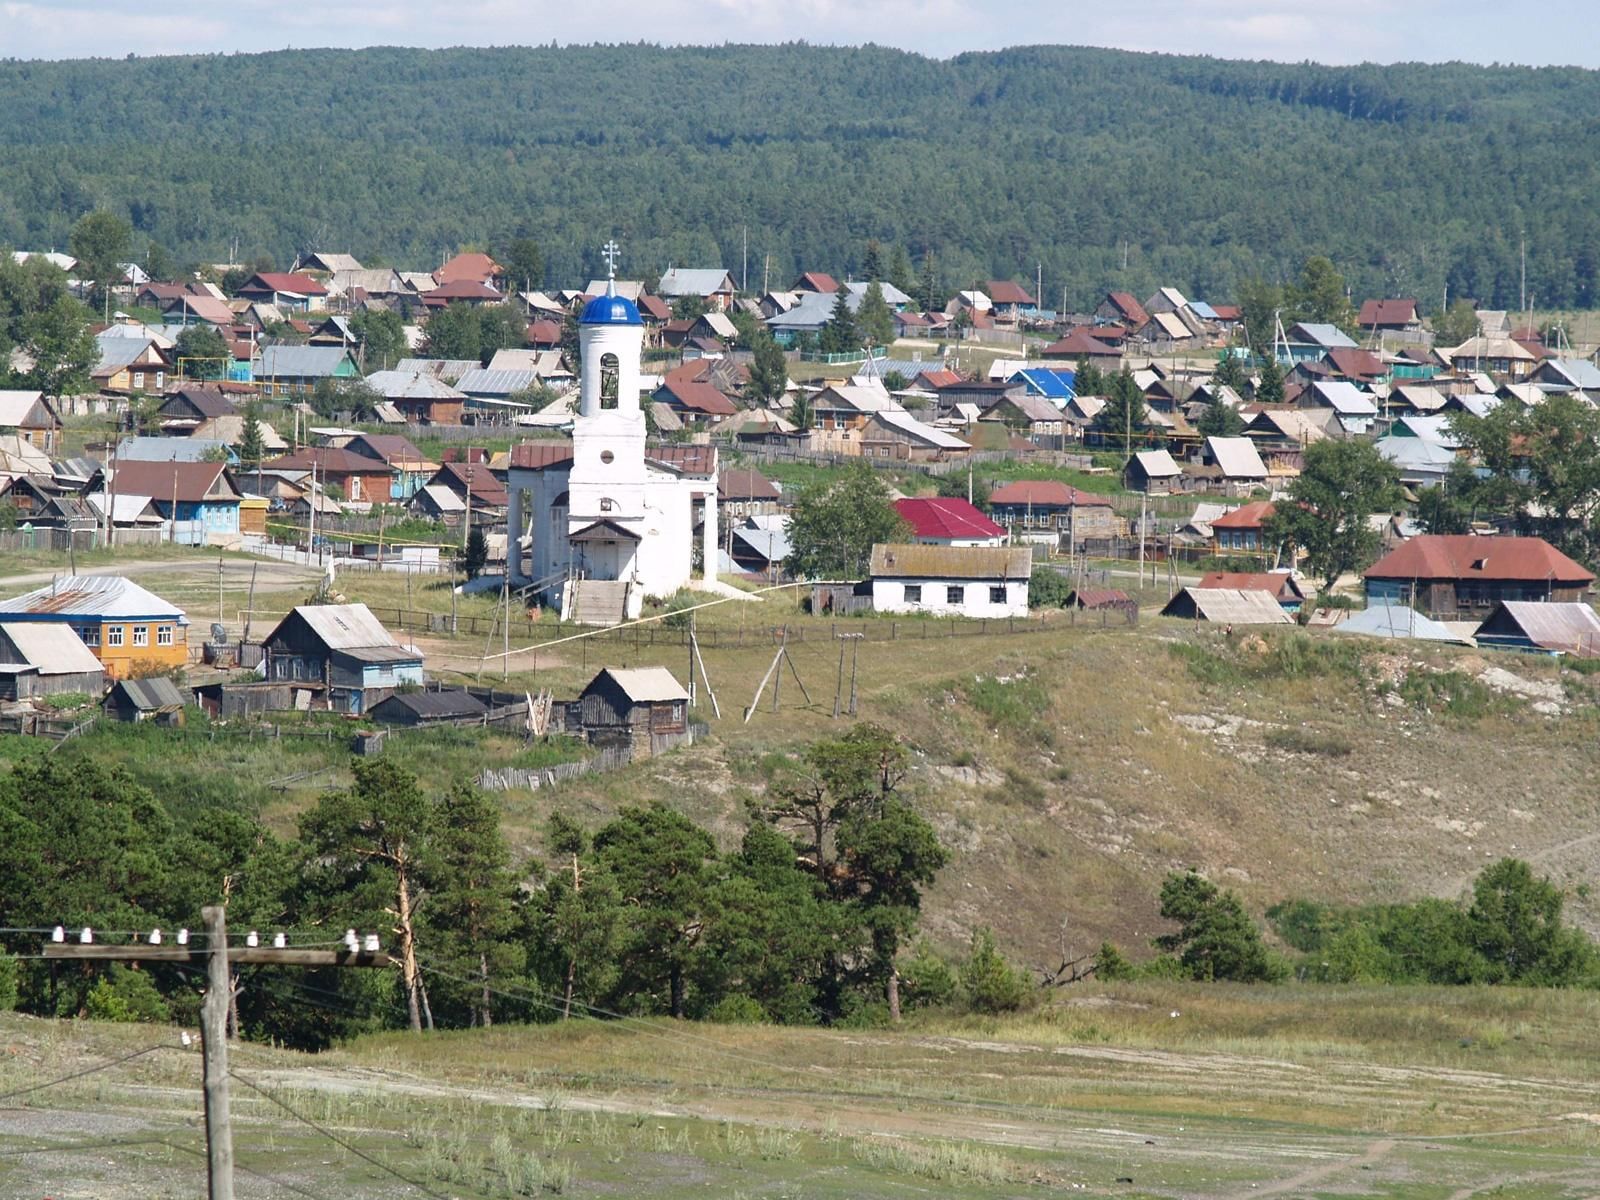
(251, 447)
(900, 270)
(872, 264)
(769, 369)
(1123, 418)
(1088, 379)
(476, 555)
(1230, 373)
(839, 334)
(874, 318)
(932, 299)
(1269, 388)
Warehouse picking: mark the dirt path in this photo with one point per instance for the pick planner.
(1315, 1175)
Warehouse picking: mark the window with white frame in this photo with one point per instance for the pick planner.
(141, 635)
(113, 635)
(955, 594)
(163, 635)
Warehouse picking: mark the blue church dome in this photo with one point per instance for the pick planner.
(610, 310)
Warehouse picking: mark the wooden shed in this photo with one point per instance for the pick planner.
(155, 699)
(644, 709)
(38, 659)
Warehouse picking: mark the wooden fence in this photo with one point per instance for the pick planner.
(502, 779)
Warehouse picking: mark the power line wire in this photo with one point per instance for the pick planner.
(337, 1140)
(106, 1066)
(239, 1166)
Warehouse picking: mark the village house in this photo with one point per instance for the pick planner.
(1240, 466)
(713, 285)
(641, 710)
(296, 370)
(420, 397)
(411, 468)
(129, 366)
(1282, 586)
(185, 409)
(354, 476)
(487, 490)
(1227, 606)
(1085, 343)
(200, 500)
(30, 417)
(441, 706)
(744, 492)
(130, 630)
(1121, 308)
(1009, 302)
(1029, 416)
(896, 434)
(1390, 316)
(948, 521)
(1048, 510)
(695, 402)
(470, 267)
(1242, 529)
(288, 291)
(1446, 574)
(1151, 471)
(951, 581)
(1550, 627)
(344, 649)
(38, 660)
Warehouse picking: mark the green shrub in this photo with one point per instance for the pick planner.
(1110, 965)
(926, 980)
(125, 995)
(737, 1009)
(8, 982)
(1308, 741)
(1453, 692)
(1048, 588)
(991, 984)
(1014, 703)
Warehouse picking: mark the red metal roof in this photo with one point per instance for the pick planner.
(463, 289)
(1045, 493)
(1276, 582)
(816, 281)
(1465, 557)
(479, 268)
(1246, 516)
(745, 484)
(537, 456)
(1355, 364)
(945, 518)
(700, 397)
(1003, 291)
(1130, 308)
(1081, 343)
(188, 482)
(329, 461)
(284, 281)
(1386, 312)
(1099, 597)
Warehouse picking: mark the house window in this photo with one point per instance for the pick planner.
(88, 634)
(163, 635)
(608, 381)
(161, 380)
(955, 594)
(997, 595)
(138, 381)
(607, 505)
(913, 593)
(113, 635)
(141, 635)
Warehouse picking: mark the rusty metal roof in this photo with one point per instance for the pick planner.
(903, 561)
(107, 597)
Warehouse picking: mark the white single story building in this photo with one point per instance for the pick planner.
(983, 582)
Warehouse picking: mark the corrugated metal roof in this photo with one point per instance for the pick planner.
(1345, 398)
(1567, 626)
(693, 281)
(51, 648)
(169, 449)
(946, 517)
(106, 596)
(496, 384)
(412, 385)
(1237, 456)
(301, 362)
(911, 427)
(1397, 621)
(1232, 606)
(1464, 556)
(643, 685)
(902, 561)
(451, 703)
(1157, 464)
(156, 694)
(344, 626)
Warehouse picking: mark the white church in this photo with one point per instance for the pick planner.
(599, 524)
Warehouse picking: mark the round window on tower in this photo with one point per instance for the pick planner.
(607, 457)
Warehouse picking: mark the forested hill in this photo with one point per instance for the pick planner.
(1407, 176)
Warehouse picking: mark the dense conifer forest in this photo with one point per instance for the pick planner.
(1195, 171)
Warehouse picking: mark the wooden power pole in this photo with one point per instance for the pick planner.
(219, 958)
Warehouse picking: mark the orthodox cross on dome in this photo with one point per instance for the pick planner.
(609, 252)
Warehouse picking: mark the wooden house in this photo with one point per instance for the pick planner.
(641, 709)
(1446, 574)
(130, 630)
(344, 649)
(46, 660)
(1032, 508)
(29, 416)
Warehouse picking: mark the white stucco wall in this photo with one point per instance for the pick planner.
(890, 595)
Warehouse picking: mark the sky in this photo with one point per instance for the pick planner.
(1330, 31)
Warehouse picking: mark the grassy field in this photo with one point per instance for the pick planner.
(1131, 1090)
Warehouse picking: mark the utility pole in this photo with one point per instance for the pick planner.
(219, 960)
(214, 1048)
